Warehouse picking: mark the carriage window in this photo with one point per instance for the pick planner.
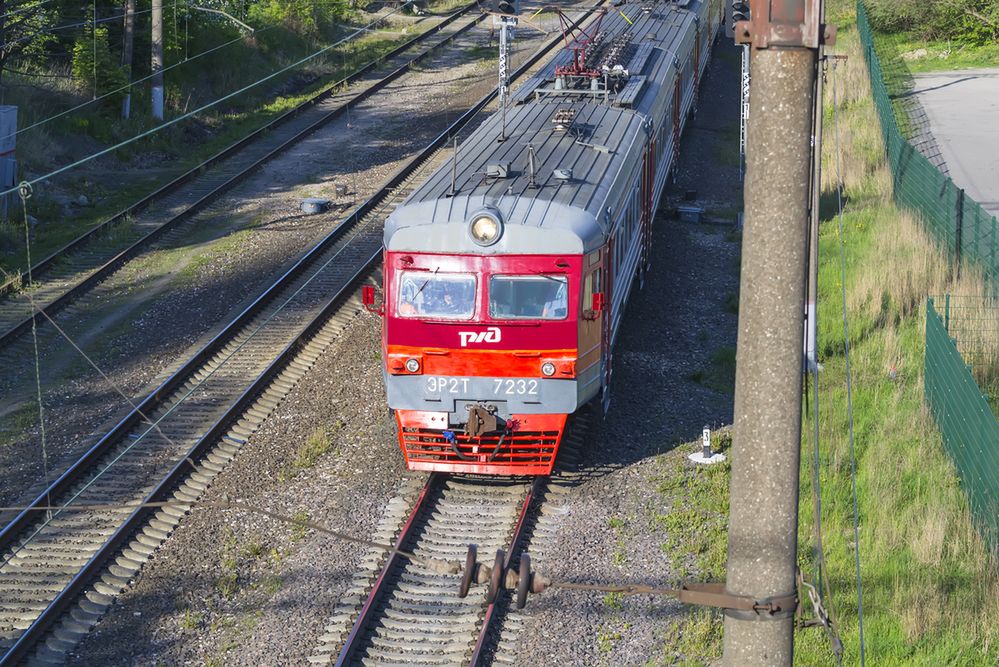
(448, 296)
(537, 297)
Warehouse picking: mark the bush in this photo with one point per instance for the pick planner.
(971, 21)
(304, 16)
(110, 75)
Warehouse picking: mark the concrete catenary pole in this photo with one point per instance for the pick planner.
(126, 55)
(763, 522)
(157, 62)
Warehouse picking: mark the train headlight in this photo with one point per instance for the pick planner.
(548, 369)
(412, 365)
(485, 228)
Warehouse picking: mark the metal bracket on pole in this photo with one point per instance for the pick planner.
(785, 23)
(739, 606)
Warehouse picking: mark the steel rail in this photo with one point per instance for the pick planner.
(516, 539)
(381, 585)
(13, 530)
(114, 263)
(36, 632)
(424, 507)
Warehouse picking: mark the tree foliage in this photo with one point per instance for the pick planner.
(303, 15)
(110, 75)
(23, 29)
(972, 21)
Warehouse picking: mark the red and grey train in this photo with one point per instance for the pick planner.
(506, 272)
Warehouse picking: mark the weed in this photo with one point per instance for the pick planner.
(253, 549)
(606, 640)
(298, 527)
(720, 374)
(695, 638)
(614, 601)
(191, 619)
(318, 443)
(227, 583)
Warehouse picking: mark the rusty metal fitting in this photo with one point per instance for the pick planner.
(784, 23)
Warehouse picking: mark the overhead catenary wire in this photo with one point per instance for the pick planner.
(849, 382)
(209, 105)
(21, 10)
(155, 425)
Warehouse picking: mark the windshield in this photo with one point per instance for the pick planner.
(537, 297)
(449, 296)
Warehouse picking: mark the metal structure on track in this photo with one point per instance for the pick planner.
(397, 612)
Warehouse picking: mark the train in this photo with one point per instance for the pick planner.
(507, 271)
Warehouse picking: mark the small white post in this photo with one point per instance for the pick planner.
(705, 456)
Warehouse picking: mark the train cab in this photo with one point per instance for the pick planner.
(486, 355)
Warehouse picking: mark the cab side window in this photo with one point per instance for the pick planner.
(591, 285)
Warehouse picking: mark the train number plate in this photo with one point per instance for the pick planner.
(510, 387)
(475, 387)
(444, 385)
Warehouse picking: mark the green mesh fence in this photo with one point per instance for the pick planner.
(969, 427)
(957, 221)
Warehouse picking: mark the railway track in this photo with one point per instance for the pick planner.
(60, 570)
(75, 269)
(396, 612)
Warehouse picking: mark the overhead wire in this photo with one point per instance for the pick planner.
(209, 105)
(66, 26)
(155, 425)
(849, 381)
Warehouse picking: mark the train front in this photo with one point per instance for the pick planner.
(482, 323)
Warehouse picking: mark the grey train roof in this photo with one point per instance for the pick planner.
(555, 214)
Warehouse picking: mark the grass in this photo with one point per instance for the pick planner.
(934, 56)
(319, 442)
(931, 593)
(930, 588)
(719, 375)
(696, 531)
(17, 422)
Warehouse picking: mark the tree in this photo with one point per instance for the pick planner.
(110, 75)
(303, 15)
(23, 33)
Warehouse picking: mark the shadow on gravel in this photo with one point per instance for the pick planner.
(674, 359)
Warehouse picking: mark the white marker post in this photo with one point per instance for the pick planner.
(705, 456)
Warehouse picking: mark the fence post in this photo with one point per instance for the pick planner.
(946, 311)
(958, 230)
(992, 252)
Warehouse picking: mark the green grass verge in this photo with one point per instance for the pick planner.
(935, 56)
(930, 587)
(929, 584)
(695, 539)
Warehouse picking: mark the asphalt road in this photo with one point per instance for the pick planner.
(963, 109)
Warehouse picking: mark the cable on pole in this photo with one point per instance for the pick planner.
(140, 80)
(24, 191)
(849, 382)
